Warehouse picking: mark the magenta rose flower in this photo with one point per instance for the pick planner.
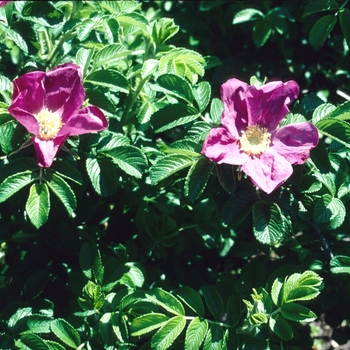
(49, 104)
(250, 136)
(3, 3)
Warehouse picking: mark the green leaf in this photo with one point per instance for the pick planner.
(163, 339)
(18, 40)
(322, 111)
(38, 204)
(103, 175)
(340, 264)
(64, 169)
(267, 221)
(226, 175)
(344, 189)
(276, 294)
(6, 89)
(166, 301)
(341, 112)
(15, 182)
(336, 129)
(91, 263)
(110, 79)
(216, 109)
(63, 191)
(54, 345)
(110, 55)
(327, 179)
(111, 30)
(133, 278)
(195, 333)
(85, 28)
(321, 29)
(133, 19)
(281, 327)
(246, 15)
(329, 209)
(192, 299)
(319, 6)
(112, 327)
(261, 33)
(197, 178)
(173, 115)
(34, 342)
(167, 166)
(214, 302)
(163, 29)
(37, 323)
(238, 207)
(298, 287)
(202, 94)
(344, 19)
(214, 338)
(296, 312)
(147, 323)
(175, 86)
(129, 158)
(113, 140)
(66, 333)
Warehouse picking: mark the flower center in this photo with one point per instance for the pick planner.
(49, 124)
(255, 140)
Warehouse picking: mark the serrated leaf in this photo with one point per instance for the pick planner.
(133, 19)
(202, 94)
(327, 179)
(267, 222)
(214, 338)
(319, 6)
(63, 191)
(163, 29)
(67, 171)
(166, 301)
(167, 166)
(129, 158)
(66, 333)
(321, 29)
(323, 209)
(344, 189)
(54, 345)
(85, 28)
(197, 178)
(110, 141)
(280, 326)
(276, 294)
(296, 312)
(90, 262)
(226, 175)
(17, 316)
(198, 131)
(111, 30)
(7, 131)
(340, 264)
(109, 79)
(14, 183)
(112, 328)
(147, 323)
(6, 89)
(341, 112)
(216, 109)
(192, 299)
(173, 115)
(163, 339)
(18, 40)
(322, 111)
(344, 19)
(336, 129)
(34, 342)
(298, 287)
(246, 15)
(103, 175)
(110, 55)
(38, 204)
(195, 333)
(37, 323)
(175, 86)
(132, 278)
(214, 302)
(261, 33)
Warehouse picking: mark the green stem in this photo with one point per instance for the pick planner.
(341, 7)
(221, 324)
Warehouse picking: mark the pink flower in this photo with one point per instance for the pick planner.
(250, 136)
(3, 3)
(49, 104)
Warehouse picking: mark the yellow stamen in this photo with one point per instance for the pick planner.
(255, 140)
(49, 124)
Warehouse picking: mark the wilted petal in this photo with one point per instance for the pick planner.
(268, 171)
(295, 141)
(87, 120)
(221, 147)
(47, 150)
(234, 116)
(64, 92)
(268, 104)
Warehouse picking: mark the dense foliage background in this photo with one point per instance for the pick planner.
(132, 238)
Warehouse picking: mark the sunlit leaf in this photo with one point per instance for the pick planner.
(38, 204)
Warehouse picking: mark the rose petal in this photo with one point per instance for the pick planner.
(295, 141)
(267, 104)
(234, 116)
(87, 120)
(268, 171)
(221, 147)
(64, 92)
(47, 150)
